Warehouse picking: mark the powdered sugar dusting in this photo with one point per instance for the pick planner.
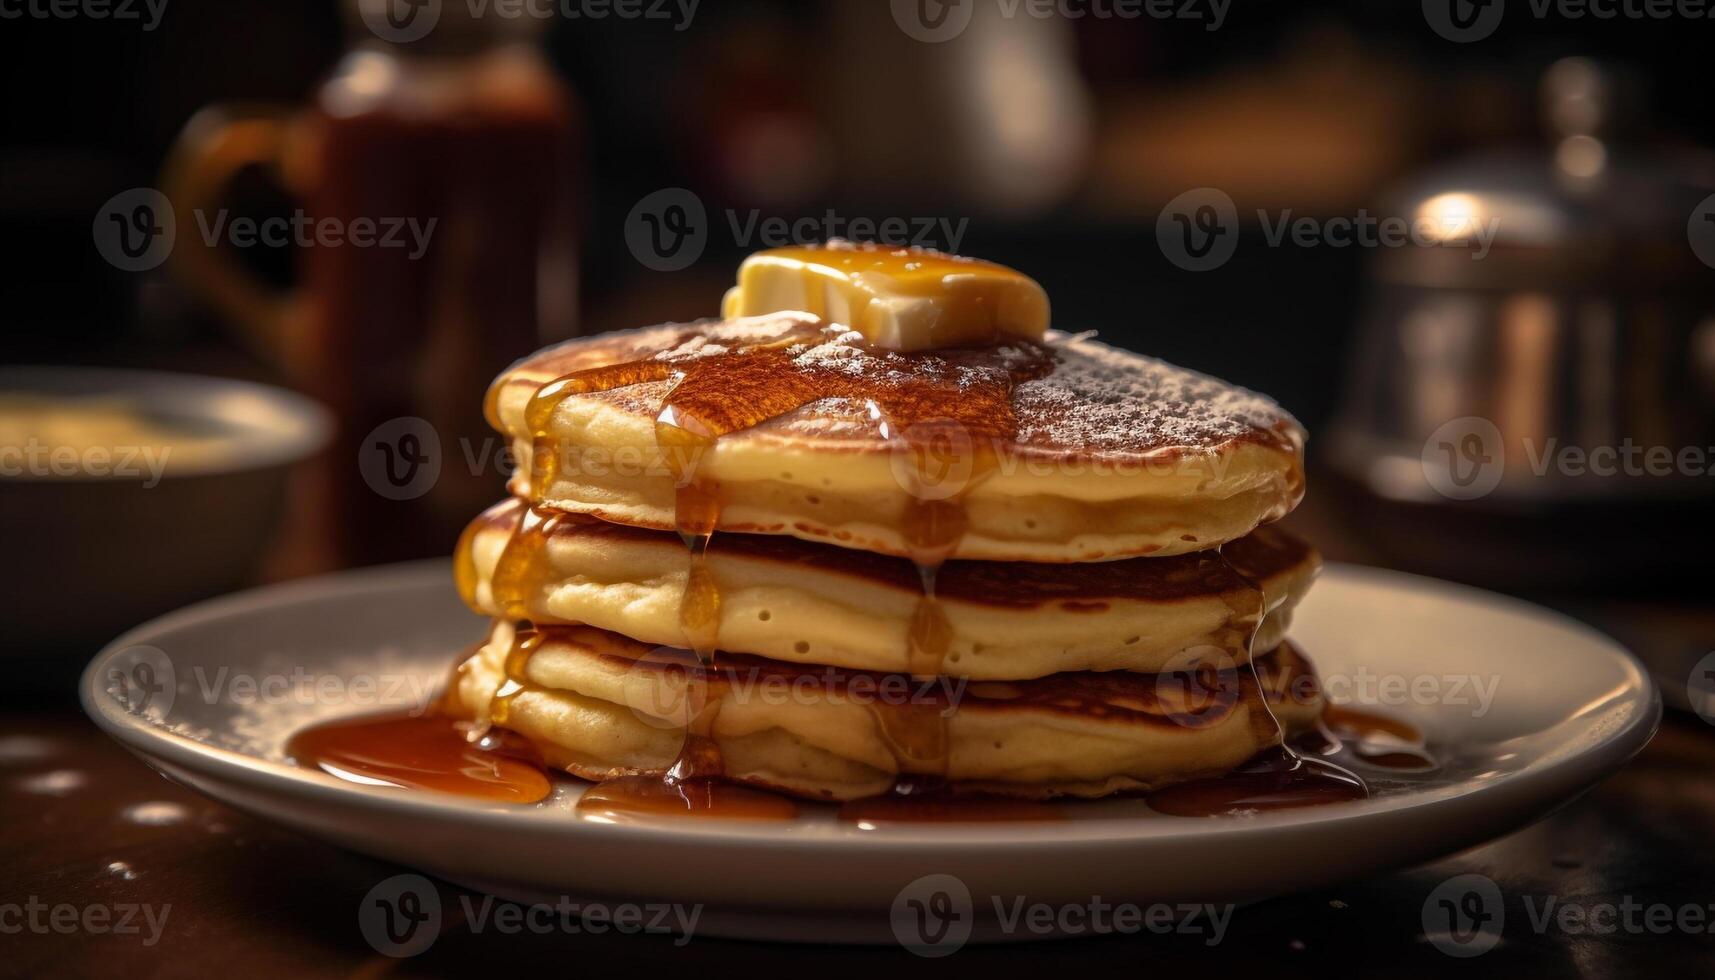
(1106, 400)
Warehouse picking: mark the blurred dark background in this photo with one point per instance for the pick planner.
(1052, 144)
(1315, 106)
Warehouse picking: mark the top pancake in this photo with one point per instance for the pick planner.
(1069, 451)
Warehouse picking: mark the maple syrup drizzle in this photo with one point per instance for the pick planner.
(525, 643)
(424, 752)
(518, 575)
(941, 466)
(1277, 777)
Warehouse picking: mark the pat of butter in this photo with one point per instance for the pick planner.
(902, 299)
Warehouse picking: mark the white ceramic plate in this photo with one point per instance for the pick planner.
(231, 679)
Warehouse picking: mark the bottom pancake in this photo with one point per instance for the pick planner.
(600, 706)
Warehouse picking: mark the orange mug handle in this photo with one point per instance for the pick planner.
(217, 144)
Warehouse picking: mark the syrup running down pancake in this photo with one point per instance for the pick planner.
(795, 601)
(601, 706)
(1064, 451)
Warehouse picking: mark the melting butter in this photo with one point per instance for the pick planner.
(902, 299)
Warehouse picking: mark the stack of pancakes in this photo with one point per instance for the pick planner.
(761, 550)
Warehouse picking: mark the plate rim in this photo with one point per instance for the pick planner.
(151, 742)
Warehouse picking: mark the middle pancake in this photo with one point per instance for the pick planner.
(801, 602)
